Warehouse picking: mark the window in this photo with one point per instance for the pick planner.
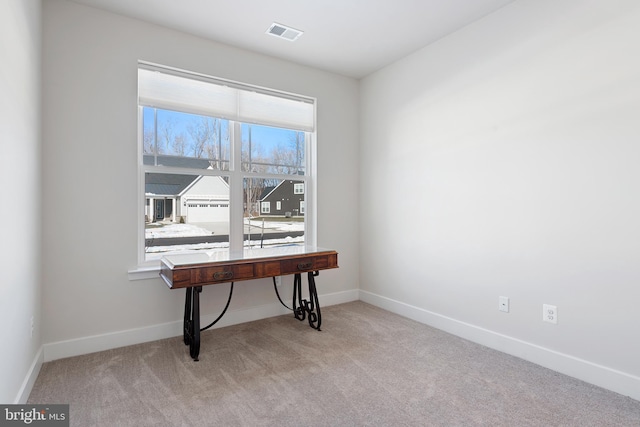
(213, 155)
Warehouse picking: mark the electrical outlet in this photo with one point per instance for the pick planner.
(550, 313)
(278, 280)
(32, 327)
(503, 304)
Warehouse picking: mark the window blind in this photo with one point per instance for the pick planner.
(179, 91)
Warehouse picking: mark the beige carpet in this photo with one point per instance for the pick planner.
(367, 367)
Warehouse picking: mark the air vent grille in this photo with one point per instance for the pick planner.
(284, 32)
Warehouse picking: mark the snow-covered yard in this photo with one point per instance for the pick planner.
(175, 230)
(190, 230)
(276, 225)
(170, 230)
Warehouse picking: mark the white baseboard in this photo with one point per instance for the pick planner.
(602, 376)
(30, 379)
(92, 344)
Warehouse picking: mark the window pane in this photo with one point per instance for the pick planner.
(185, 213)
(274, 214)
(181, 135)
(272, 150)
(148, 131)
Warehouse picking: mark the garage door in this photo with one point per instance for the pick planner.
(208, 211)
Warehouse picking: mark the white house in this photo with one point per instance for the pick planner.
(185, 198)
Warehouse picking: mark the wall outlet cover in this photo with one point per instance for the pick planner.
(550, 313)
(503, 304)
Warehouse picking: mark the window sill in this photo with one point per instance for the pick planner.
(144, 272)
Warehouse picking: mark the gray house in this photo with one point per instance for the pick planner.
(285, 199)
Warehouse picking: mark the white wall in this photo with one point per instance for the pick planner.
(503, 160)
(20, 289)
(89, 137)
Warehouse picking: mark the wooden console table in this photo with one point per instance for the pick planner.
(192, 271)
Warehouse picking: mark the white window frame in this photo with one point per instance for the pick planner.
(298, 188)
(148, 269)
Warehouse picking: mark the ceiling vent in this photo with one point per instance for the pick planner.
(284, 32)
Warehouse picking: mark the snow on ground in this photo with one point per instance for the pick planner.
(175, 230)
(156, 252)
(189, 230)
(277, 225)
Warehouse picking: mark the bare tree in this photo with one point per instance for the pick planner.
(166, 135)
(289, 158)
(205, 133)
(253, 160)
(253, 189)
(298, 143)
(148, 141)
(179, 145)
(223, 156)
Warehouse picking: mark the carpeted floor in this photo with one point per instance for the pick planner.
(367, 367)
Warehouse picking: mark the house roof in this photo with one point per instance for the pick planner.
(267, 191)
(171, 184)
(167, 184)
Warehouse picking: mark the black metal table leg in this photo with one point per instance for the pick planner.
(298, 302)
(307, 309)
(315, 317)
(186, 326)
(191, 333)
(194, 346)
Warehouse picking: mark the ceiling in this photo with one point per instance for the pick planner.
(349, 37)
